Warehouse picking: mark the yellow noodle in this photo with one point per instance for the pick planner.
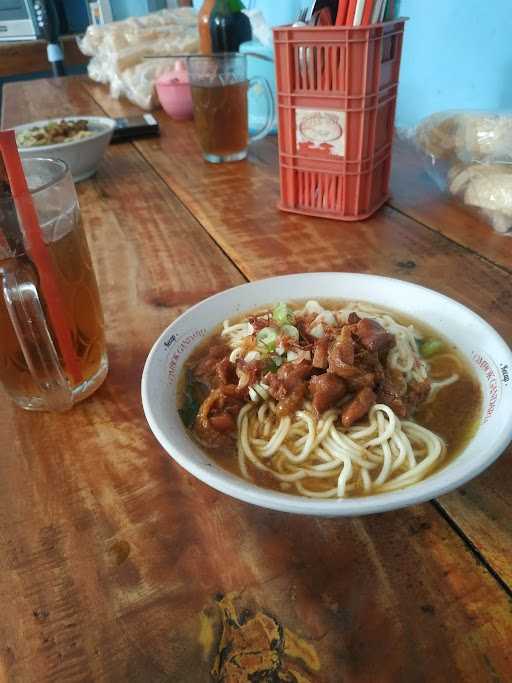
(382, 460)
(380, 453)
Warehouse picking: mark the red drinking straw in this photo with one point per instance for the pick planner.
(39, 252)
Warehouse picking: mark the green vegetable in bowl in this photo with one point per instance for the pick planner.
(267, 336)
(190, 408)
(290, 331)
(274, 364)
(53, 133)
(429, 347)
(283, 314)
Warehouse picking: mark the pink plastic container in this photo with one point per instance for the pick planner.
(175, 94)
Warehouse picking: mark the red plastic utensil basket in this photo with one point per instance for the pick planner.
(336, 97)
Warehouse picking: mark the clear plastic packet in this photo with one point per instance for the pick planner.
(118, 51)
(469, 154)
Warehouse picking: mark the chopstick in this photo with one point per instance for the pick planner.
(389, 12)
(351, 12)
(367, 12)
(38, 251)
(358, 16)
(341, 17)
(377, 11)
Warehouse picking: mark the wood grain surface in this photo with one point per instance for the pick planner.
(262, 242)
(25, 57)
(116, 565)
(412, 192)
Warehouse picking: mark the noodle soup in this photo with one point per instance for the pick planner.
(329, 399)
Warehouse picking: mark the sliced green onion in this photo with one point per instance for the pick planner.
(190, 408)
(290, 331)
(274, 364)
(429, 347)
(283, 314)
(267, 336)
(252, 355)
(261, 390)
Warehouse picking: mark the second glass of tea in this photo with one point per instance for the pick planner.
(219, 92)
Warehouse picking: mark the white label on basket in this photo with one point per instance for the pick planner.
(320, 130)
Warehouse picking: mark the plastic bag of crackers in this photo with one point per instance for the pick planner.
(469, 154)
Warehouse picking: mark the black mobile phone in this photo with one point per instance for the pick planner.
(131, 127)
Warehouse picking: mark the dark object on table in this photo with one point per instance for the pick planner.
(131, 127)
(48, 28)
(229, 26)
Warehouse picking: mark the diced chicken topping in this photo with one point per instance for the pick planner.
(326, 390)
(309, 356)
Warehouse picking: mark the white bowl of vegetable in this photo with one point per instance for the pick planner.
(78, 141)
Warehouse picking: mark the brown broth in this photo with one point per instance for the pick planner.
(454, 414)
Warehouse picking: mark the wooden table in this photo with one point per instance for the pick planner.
(29, 56)
(114, 560)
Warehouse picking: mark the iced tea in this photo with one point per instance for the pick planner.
(220, 113)
(219, 90)
(80, 296)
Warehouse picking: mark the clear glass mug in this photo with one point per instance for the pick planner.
(32, 370)
(219, 92)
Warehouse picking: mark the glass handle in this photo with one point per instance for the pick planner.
(18, 286)
(267, 127)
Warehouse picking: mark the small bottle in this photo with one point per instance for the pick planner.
(203, 23)
(229, 26)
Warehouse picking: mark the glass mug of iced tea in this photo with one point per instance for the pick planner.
(219, 92)
(32, 370)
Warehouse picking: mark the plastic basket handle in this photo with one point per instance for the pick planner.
(271, 114)
(18, 287)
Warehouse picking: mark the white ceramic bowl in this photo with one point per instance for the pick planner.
(484, 349)
(82, 156)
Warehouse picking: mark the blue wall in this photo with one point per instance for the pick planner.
(134, 8)
(457, 53)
